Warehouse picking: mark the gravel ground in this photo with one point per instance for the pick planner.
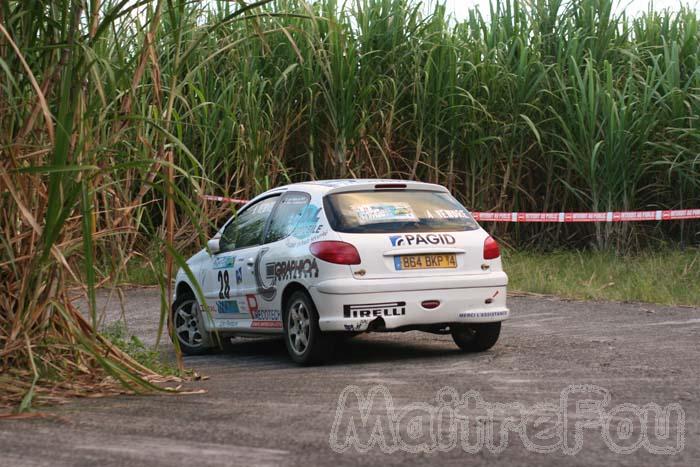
(260, 409)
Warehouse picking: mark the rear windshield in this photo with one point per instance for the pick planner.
(396, 211)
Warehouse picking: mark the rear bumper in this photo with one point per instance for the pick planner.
(409, 284)
(351, 304)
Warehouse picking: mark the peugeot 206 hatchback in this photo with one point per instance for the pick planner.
(315, 261)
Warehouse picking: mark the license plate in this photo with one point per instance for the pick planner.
(405, 262)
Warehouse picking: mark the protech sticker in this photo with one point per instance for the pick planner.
(266, 319)
(262, 318)
(384, 212)
(266, 315)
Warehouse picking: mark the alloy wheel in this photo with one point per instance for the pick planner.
(299, 327)
(186, 323)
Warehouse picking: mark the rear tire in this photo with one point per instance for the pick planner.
(475, 337)
(188, 328)
(305, 342)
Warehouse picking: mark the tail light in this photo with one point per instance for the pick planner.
(491, 249)
(335, 252)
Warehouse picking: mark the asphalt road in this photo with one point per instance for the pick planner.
(259, 409)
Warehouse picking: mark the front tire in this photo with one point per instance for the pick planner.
(475, 337)
(305, 342)
(188, 328)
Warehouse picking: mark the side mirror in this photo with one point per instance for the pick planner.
(214, 246)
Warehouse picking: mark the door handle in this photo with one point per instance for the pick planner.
(250, 262)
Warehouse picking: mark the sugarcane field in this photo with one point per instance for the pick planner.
(360, 232)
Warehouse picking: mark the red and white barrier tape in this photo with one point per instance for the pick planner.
(612, 216)
(223, 199)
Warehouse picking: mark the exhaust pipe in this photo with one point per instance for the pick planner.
(377, 324)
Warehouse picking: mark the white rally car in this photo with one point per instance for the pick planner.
(315, 261)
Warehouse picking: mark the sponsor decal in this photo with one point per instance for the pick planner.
(422, 239)
(266, 324)
(227, 307)
(226, 323)
(372, 310)
(482, 314)
(252, 303)
(239, 275)
(292, 269)
(223, 262)
(267, 315)
(296, 199)
(320, 232)
(306, 223)
(262, 318)
(451, 214)
(267, 292)
(270, 271)
(263, 207)
(384, 212)
(266, 319)
(281, 271)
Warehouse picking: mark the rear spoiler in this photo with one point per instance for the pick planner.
(388, 185)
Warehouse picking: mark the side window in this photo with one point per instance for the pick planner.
(287, 215)
(247, 227)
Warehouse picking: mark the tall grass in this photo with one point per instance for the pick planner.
(115, 115)
(88, 139)
(540, 106)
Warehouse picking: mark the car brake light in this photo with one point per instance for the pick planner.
(491, 249)
(389, 186)
(335, 252)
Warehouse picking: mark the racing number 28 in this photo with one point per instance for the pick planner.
(224, 286)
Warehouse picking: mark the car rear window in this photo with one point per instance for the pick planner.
(396, 211)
